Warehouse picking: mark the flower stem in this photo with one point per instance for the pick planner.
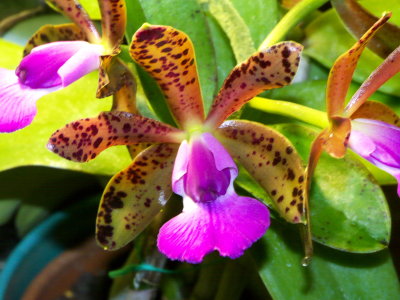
(290, 109)
(291, 19)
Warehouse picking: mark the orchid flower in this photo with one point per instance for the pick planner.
(369, 128)
(56, 56)
(198, 155)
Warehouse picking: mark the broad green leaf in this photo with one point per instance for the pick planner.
(331, 274)
(348, 208)
(233, 25)
(327, 30)
(28, 146)
(92, 8)
(11, 7)
(259, 15)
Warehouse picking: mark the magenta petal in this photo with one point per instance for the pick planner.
(230, 225)
(17, 102)
(58, 64)
(203, 169)
(378, 142)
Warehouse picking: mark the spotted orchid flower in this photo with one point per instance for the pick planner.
(56, 56)
(198, 155)
(369, 128)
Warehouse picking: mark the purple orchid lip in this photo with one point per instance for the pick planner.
(214, 217)
(379, 143)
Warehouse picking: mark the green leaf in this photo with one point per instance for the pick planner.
(92, 8)
(260, 16)
(327, 30)
(331, 274)
(233, 25)
(348, 208)
(28, 146)
(377, 7)
(8, 208)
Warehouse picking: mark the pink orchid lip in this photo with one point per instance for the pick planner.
(214, 217)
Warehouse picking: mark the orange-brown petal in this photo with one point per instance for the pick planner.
(377, 111)
(76, 13)
(272, 160)
(167, 54)
(383, 73)
(83, 140)
(134, 196)
(113, 21)
(270, 68)
(342, 71)
(54, 33)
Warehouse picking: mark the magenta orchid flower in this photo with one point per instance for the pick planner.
(198, 155)
(56, 56)
(369, 128)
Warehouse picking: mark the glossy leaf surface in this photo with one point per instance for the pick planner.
(348, 208)
(267, 69)
(273, 162)
(331, 274)
(168, 56)
(84, 139)
(134, 196)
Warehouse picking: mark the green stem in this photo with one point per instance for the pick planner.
(291, 19)
(293, 110)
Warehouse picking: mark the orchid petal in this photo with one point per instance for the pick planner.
(83, 140)
(58, 64)
(74, 11)
(168, 55)
(229, 224)
(54, 33)
(378, 142)
(270, 68)
(273, 162)
(113, 75)
(342, 71)
(113, 21)
(135, 196)
(376, 111)
(17, 102)
(378, 77)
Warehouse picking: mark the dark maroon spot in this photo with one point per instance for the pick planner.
(291, 175)
(301, 179)
(289, 150)
(150, 34)
(280, 199)
(97, 142)
(286, 52)
(104, 232)
(168, 49)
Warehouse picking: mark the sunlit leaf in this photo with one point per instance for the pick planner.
(28, 146)
(331, 274)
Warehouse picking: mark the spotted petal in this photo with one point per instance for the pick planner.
(135, 196)
(54, 33)
(113, 21)
(270, 68)
(168, 56)
(376, 111)
(383, 73)
(74, 11)
(272, 160)
(83, 140)
(342, 71)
